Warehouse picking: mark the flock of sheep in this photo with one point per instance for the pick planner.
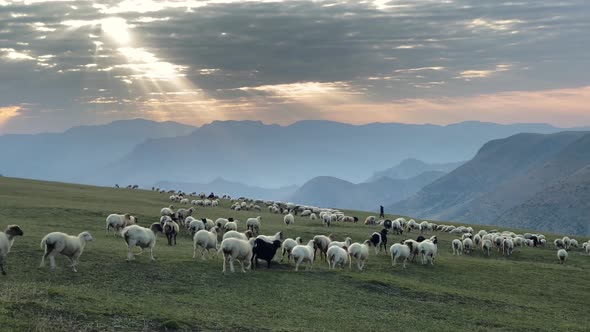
(248, 247)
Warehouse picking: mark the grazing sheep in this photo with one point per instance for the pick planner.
(398, 250)
(304, 253)
(205, 240)
(457, 247)
(413, 245)
(67, 245)
(337, 256)
(167, 211)
(360, 252)
(142, 237)
(288, 245)
(562, 256)
(559, 244)
(396, 227)
(237, 235)
(236, 249)
(573, 243)
(253, 224)
(119, 221)
(313, 216)
(486, 246)
(264, 251)
(566, 242)
(467, 245)
(413, 225)
(171, 229)
(370, 220)
(346, 243)
(327, 218)
(322, 243)
(477, 240)
(507, 247)
(425, 227)
(6, 241)
(289, 219)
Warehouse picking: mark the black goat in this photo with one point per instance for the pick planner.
(264, 250)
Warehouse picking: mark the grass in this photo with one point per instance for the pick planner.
(528, 291)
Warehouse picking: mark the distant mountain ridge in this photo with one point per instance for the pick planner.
(508, 184)
(411, 167)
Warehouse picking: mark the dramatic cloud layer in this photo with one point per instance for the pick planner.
(64, 63)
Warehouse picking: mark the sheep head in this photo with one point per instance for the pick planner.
(157, 227)
(85, 236)
(13, 230)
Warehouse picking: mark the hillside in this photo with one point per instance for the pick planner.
(504, 175)
(178, 293)
(337, 193)
(78, 152)
(411, 167)
(276, 156)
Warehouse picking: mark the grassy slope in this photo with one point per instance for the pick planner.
(528, 291)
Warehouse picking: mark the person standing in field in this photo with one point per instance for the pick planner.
(381, 214)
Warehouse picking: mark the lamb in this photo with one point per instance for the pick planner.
(304, 253)
(398, 250)
(171, 229)
(289, 219)
(457, 247)
(288, 246)
(467, 245)
(67, 245)
(253, 224)
(486, 246)
(142, 237)
(322, 243)
(236, 249)
(562, 256)
(360, 252)
(6, 241)
(264, 251)
(119, 221)
(237, 235)
(337, 256)
(205, 240)
(346, 243)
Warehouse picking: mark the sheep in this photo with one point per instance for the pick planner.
(237, 235)
(398, 250)
(267, 238)
(288, 245)
(6, 241)
(142, 237)
(167, 211)
(220, 222)
(507, 247)
(457, 247)
(413, 245)
(573, 243)
(313, 216)
(466, 235)
(184, 201)
(420, 238)
(346, 243)
(231, 225)
(327, 219)
(253, 224)
(182, 214)
(360, 252)
(337, 256)
(289, 219)
(304, 253)
(425, 227)
(477, 240)
(205, 240)
(264, 251)
(562, 256)
(486, 246)
(377, 240)
(119, 221)
(396, 227)
(322, 243)
(67, 245)
(413, 225)
(428, 248)
(566, 242)
(235, 249)
(171, 229)
(305, 213)
(559, 244)
(467, 245)
(370, 220)
(195, 225)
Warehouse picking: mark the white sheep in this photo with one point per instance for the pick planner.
(370, 220)
(61, 243)
(6, 241)
(253, 224)
(184, 201)
(562, 256)
(119, 221)
(288, 245)
(141, 237)
(346, 243)
(467, 245)
(194, 225)
(289, 219)
(477, 240)
(413, 245)
(360, 252)
(231, 226)
(322, 243)
(428, 248)
(303, 253)
(457, 247)
(507, 247)
(236, 249)
(205, 240)
(486, 246)
(337, 256)
(167, 211)
(270, 239)
(313, 216)
(398, 250)
(566, 242)
(237, 235)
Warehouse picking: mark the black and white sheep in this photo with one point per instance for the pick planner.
(6, 241)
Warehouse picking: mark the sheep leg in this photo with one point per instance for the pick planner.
(52, 262)
(2, 265)
(297, 264)
(393, 260)
(151, 253)
(231, 265)
(242, 264)
(194, 251)
(224, 263)
(405, 260)
(130, 255)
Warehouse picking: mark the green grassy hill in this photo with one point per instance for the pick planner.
(528, 291)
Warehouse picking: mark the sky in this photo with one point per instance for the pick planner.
(68, 63)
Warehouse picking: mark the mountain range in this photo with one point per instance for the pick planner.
(412, 167)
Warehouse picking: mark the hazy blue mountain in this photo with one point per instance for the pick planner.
(527, 180)
(235, 189)
(79, 152)
(412, 167)
(253, 153)
(333, 192)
